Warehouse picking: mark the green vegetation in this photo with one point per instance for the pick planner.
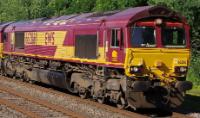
(195, 91)
(14, 10)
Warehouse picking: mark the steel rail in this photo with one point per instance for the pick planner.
(89, 102)
(85, 101)
(19, 109)
(179, 115)
(42, 103)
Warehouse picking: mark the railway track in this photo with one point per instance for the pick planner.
(32, 107)
(107, 108)
(178, 115)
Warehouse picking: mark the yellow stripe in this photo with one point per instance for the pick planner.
(66, 59)
(1, 50)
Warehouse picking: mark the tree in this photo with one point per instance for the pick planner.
(57, 7)
(12, 10)
(105, 5)
(80, 6)
(40, 8)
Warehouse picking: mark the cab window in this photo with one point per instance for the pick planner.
(117, 38)
(143, 37)
(173, 37)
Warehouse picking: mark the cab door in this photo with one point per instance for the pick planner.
(115, 45)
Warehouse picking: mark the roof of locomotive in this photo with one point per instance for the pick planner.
(3, 25)
(123, 18)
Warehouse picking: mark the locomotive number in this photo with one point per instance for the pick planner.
(49, 38)
(30, 38)
(182, 62)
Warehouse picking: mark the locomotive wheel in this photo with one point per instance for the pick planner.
(101, 100)
(83, 92)
(14, 77)
(5, 74)
(31, 81)
(83, 95)
(21, 79)
(76, 87)
(25, 77)
(121, 103)
(1, 72)
(9, 73)
(9, 69)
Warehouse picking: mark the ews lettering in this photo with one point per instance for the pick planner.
(49, 38)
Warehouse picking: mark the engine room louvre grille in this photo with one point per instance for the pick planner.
(19, 40)
(86, 46)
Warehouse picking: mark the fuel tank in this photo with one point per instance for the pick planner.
(49, 77)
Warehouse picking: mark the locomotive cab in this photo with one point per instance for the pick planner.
(158, 59)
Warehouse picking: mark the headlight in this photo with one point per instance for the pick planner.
(136, 69)
(182, 69)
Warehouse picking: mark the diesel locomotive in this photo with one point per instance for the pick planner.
(136, 58)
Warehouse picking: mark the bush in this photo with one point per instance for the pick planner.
(194, 71)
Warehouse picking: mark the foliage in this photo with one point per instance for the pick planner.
(105, 5)
(14, 10)
(78, 6)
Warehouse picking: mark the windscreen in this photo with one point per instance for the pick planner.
(173, 37)
(143, 37)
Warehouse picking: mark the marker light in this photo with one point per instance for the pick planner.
(158, 21)
(136, 69)
(181, 69)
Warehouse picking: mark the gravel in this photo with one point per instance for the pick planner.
(194, 115)
(30, 106)
(67, 102)
(9, 113)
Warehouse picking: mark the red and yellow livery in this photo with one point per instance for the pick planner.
(137, 57)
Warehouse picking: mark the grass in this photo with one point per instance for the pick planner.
(195, 91)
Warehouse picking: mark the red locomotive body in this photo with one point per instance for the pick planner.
(93, 54)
